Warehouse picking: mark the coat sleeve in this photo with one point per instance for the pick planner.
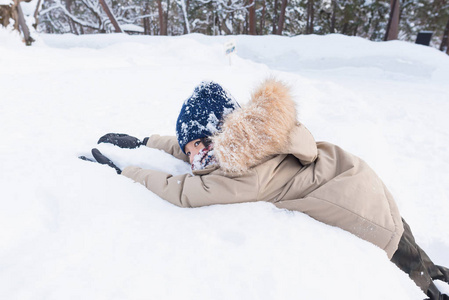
(195, 191)
(302, 145)
(168, 144)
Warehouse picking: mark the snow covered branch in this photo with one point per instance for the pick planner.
(74, 18)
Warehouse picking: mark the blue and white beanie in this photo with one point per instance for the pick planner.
(202, 113)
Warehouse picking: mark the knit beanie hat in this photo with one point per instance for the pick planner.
(202, 113)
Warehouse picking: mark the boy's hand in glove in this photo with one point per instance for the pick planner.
(122, 140)
(100, 158)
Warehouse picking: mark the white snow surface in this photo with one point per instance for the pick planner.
(71, 229)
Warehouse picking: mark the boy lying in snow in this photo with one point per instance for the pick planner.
(260, 152)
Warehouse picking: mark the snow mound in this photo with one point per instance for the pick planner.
(71, 229)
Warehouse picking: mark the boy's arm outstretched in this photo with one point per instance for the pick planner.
(168, 144)
(195, 191)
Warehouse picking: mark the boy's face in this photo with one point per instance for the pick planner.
(192, 148)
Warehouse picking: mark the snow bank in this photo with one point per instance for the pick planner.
(71, 229)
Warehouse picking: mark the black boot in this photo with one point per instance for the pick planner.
(445, 272)
(411, 259)
(434, 293)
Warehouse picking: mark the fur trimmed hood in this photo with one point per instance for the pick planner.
(258, 130)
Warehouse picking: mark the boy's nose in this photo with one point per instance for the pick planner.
(193, 154)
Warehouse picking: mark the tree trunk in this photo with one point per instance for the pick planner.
(26, 32)
(344, 28)
(15, 15)
(281, 18)
(245, 25)
(146, 26)
(393, 22)
(146, 21)
(68, 4)
(334, 4)
(262, 19)
(275, 16)
(36, 14)
(445, 40)
(162, 28)
(252, 17)
(166, 17)
(110, 16)
(186, 19)
(310, 17)
(225, 28)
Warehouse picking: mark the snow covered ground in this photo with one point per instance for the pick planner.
(71, 229)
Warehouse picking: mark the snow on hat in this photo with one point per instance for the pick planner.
(202, 113)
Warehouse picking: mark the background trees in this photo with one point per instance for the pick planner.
(365, 18)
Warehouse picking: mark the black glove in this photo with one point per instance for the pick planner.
(122, 140)
(104, 160)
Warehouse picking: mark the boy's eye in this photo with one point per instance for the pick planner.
(188, 153)
(197, 143)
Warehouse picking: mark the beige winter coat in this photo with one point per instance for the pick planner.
(266, 155)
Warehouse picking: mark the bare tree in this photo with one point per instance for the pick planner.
(22, 24)
(13, 11)
(36, 13)
(262, 18)
(110, 16)
(334, 9)
(310, 17)
(281, 17)
(166, 17)
(68, 4)
(97, 22)
(275, 16)
(252, 17)
(445, 40)
(183, 5)
(393, 22)
(146, 20)
(162, 24)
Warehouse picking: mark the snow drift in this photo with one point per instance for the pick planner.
(72, 229)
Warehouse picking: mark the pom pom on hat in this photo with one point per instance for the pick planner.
(203, 112)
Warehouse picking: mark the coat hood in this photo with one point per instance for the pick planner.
(257, 131)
